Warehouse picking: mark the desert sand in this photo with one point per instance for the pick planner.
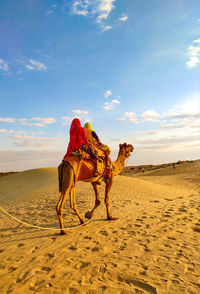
(154, 246)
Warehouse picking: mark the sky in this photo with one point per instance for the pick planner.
(130, 67)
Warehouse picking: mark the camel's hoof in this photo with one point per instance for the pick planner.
(112, 218)
(88, 215)
(63, 232)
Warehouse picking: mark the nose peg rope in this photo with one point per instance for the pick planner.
(41, 228)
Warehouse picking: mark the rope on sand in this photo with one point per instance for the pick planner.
(38, 227)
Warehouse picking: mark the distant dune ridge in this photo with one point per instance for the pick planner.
(153, 247)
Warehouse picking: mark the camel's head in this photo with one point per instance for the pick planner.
(126, 149)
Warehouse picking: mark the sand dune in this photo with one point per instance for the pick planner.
(153, 247)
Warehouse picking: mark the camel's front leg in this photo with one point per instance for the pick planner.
(89, 214)
(107, 200)
(73, 204)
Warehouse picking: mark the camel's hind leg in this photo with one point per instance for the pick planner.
(72, 197)
(89, 214)
(68, 182)
(73, 204)
(59, 210)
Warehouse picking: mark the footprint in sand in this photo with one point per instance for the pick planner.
(20, 245)
(95, 249)
(104, 233)
(87, 237)
(34, 249)
(46, 269)
(12, 269)
(49, 255)
(84, 265)
(73, 248)
(139, 284)
(182, 209)
(196, 229)
(171, 238)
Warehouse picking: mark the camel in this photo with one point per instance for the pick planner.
(70, 174)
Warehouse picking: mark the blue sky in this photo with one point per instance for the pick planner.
(131, 67)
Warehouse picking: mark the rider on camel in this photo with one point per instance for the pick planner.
(78, 139)
(93, 138)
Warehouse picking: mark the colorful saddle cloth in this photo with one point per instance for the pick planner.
(99, 152)
(84, 165)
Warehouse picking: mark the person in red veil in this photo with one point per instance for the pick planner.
(78, 139)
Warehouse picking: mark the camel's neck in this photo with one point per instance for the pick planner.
(118, 165)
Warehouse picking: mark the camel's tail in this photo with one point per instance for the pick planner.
(60, 176)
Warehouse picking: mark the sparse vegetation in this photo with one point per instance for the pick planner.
(6, 174)
(138, 169)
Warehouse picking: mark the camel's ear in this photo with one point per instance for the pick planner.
(125, 144)
(120, 145)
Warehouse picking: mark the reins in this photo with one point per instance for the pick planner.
(39, 227)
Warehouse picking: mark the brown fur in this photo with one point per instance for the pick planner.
(67, 184)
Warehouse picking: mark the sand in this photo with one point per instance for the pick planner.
(154, 246)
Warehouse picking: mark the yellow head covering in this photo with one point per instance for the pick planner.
(88, 127)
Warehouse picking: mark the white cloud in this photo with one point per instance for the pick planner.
(80, 112)
(193, 53)
(123, 18)
(20, 132)
(150, 115)
(31, 141)
(48, 120)
(98, 9)
(6, 131)
(190, 109)
(37, 133)
(3, 131)
(105, 28)
(37, 121)
(51, 9)
(108, 93)
(104, 8)
(111, 105)
(179, 130)
(67, 120)
(77, 113)
(7, 119)
(4, 65)
(82, 115)
(35, 65)
(129, 116)
(80, 7)
(25, 123)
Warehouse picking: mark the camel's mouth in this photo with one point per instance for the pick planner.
(128, 153)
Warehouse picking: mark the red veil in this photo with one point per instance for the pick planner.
(77, 137)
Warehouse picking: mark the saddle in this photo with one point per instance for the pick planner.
(86, 171)
(84, 155)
